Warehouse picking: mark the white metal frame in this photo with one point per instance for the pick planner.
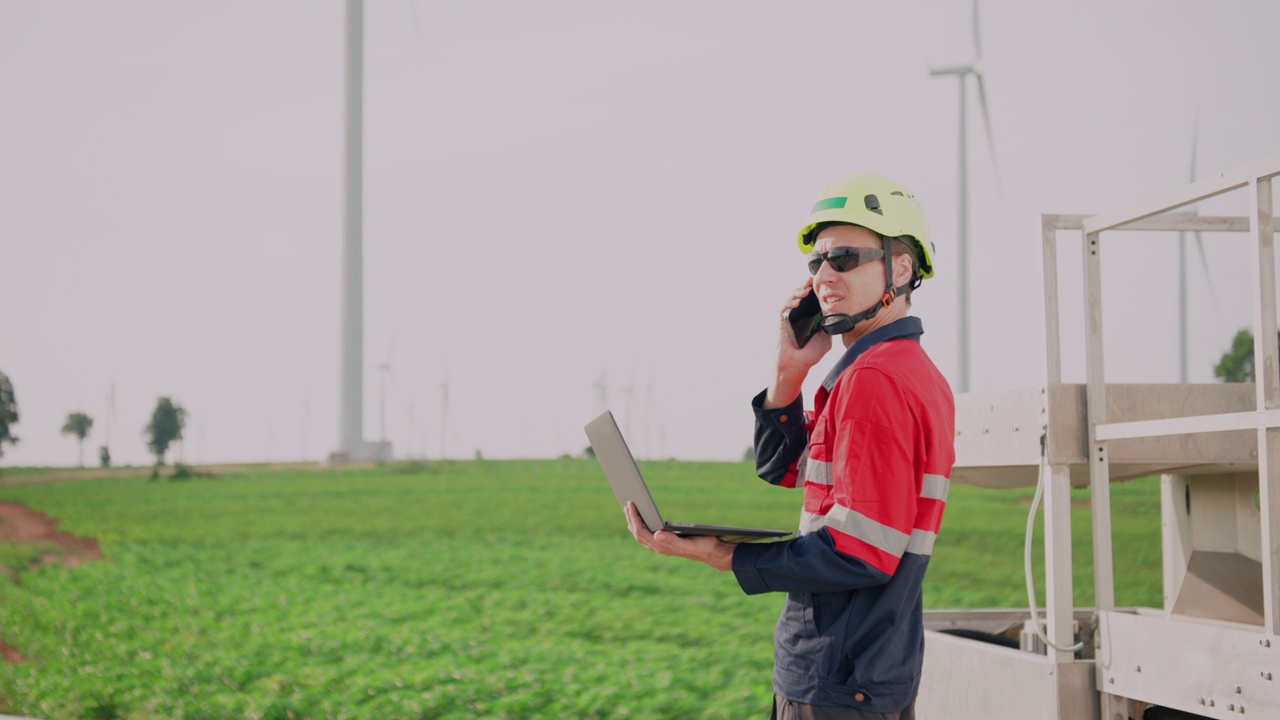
(1210, 663)
(1265, 420)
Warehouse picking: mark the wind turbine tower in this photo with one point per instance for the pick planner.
(1183, 364)
(351, 444)
(962, 73)
(602, 390)
(384, 375)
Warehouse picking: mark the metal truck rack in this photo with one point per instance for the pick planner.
(1213, 649)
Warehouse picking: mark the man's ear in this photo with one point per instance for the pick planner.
(903, 269)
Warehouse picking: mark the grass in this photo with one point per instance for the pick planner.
(451, 590)
(978, 560)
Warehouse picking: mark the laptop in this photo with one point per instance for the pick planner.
(629, 486)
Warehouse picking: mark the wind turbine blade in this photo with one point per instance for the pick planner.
(1208, 278)
(986, 124)
(977, 37)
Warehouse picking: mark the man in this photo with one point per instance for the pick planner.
(874, 459)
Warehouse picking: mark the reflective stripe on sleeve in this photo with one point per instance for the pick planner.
(817, 472)
(857, 525)
(811, 522)
(921, 542)
(935, 487)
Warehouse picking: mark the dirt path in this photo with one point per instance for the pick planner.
(10, 654)
(21, 524)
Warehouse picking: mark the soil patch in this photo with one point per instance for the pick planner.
(21, 524)
(10, 655)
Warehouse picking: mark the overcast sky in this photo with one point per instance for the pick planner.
(559, 192)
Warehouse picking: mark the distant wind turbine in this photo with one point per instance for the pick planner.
(351, 350)
(384, 374)
(630, 393)
(648, 418)
(1183, 369)
(602, 389)
(961, 72)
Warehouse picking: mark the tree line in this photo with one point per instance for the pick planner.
(165, 427)
(169, 418)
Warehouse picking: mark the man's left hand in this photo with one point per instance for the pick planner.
(703, 548)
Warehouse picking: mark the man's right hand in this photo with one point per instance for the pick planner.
(794, 362)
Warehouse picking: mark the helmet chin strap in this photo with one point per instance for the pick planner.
(840, 323)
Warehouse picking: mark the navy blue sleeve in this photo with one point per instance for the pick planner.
(780, 438)
(809, 563)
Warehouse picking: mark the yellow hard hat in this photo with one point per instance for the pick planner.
(878, 204)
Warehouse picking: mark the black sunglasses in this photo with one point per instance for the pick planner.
(844, 259)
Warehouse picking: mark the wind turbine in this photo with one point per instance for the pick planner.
(351, 444)
(1182, 266)
(602, 389)
(648, 418)
(961, 73)
(384, 374)
(630, 393)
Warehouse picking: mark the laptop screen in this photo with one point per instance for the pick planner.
(621, 470)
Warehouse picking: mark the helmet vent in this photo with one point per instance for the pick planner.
(873, 204)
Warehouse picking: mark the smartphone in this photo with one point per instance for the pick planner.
(804, 319)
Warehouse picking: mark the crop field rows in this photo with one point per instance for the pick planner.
(504, 589)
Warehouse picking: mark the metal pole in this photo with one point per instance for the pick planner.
(351, 430)
(964, 240)
(1096, 398)
(1059, 563)
(1182, 307)
(1052, 318)
(1267, 394)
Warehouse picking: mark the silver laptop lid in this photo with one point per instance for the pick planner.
(621, 470)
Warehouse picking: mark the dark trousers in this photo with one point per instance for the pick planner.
(784, 709)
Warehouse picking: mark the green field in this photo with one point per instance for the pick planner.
(454, 590)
